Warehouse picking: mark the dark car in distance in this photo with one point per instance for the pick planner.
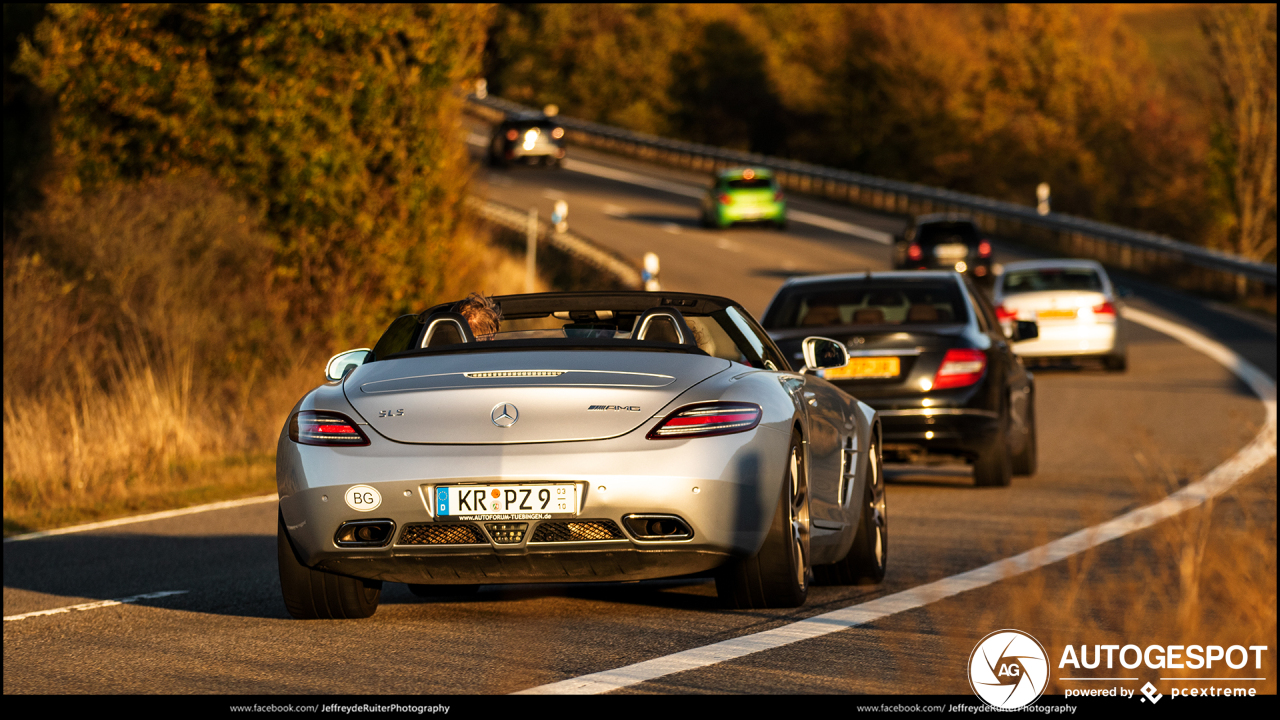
(928, 353)
(944, 241)
(528, 138)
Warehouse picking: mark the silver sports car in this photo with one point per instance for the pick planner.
(595, 437)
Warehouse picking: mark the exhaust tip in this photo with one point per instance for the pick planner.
(364, 533)
(649, 527)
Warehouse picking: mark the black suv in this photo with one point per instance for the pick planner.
(529, 138)
(944, 242)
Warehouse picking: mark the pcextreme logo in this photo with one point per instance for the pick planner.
(1008, 669)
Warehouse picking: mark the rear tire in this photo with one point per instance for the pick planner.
(315, 594)
(779, 574)
(868, 556)
(993, 468)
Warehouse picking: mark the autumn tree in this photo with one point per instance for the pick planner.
(1242, 43)
(339, 122)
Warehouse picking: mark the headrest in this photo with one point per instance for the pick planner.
(663, 324)
(446, 328)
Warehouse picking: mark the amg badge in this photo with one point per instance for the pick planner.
(625, 408)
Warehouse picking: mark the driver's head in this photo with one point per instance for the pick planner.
(482, 314)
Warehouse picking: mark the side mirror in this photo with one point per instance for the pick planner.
(1025, 330)
(824, 354)
(343, 363)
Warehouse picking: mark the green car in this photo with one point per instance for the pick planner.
(744, 195)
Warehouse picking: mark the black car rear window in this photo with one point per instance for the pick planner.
(1048, 279)
(947, 232)
(871, 302)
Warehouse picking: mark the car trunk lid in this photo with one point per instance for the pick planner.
(521, 397)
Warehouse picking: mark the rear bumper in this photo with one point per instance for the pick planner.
(960, 431)
(1071, 340)
(725, 489)
(517, 152)
(756, 213)
(974, 267)
(581, 564)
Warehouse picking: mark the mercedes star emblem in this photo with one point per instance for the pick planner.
(504, 415)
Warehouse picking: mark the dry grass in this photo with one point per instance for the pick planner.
(1204, 577)
(147, 363)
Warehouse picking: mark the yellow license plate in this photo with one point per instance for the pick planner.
(1057, 314)
(872, 367)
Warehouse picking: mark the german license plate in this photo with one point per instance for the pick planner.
(506, 502)
(1057, 314)
(871, 367)
(951, 251)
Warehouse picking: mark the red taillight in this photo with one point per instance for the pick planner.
(1003, 313)
(984, 249)
(512, 134)
(705, 419)
(725, 199)
(960, 368)
(914, 252)
(1105, 308)
(312, 427)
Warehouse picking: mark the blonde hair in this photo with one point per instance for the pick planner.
(482, 313)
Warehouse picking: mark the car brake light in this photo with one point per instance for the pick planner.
(310, 427)
(1105, 308)
(960, 368)
(914, 252)
(512, 134)
(726, 199)
(706, 419)
(1003, 313)
(984, 249)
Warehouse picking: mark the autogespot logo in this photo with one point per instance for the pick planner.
(1008, 669)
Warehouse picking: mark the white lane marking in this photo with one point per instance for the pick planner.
(95, 605)
(1216, 482)
(839, 226)
(671, 228)
(144, 518)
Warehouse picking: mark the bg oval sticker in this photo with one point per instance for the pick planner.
(362, 498)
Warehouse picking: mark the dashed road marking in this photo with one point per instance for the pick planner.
(144, 518)
(95, 605)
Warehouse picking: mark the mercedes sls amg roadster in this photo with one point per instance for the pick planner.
(594, 437)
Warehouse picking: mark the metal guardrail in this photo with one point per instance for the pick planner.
(567, 242)
(1158, 256)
